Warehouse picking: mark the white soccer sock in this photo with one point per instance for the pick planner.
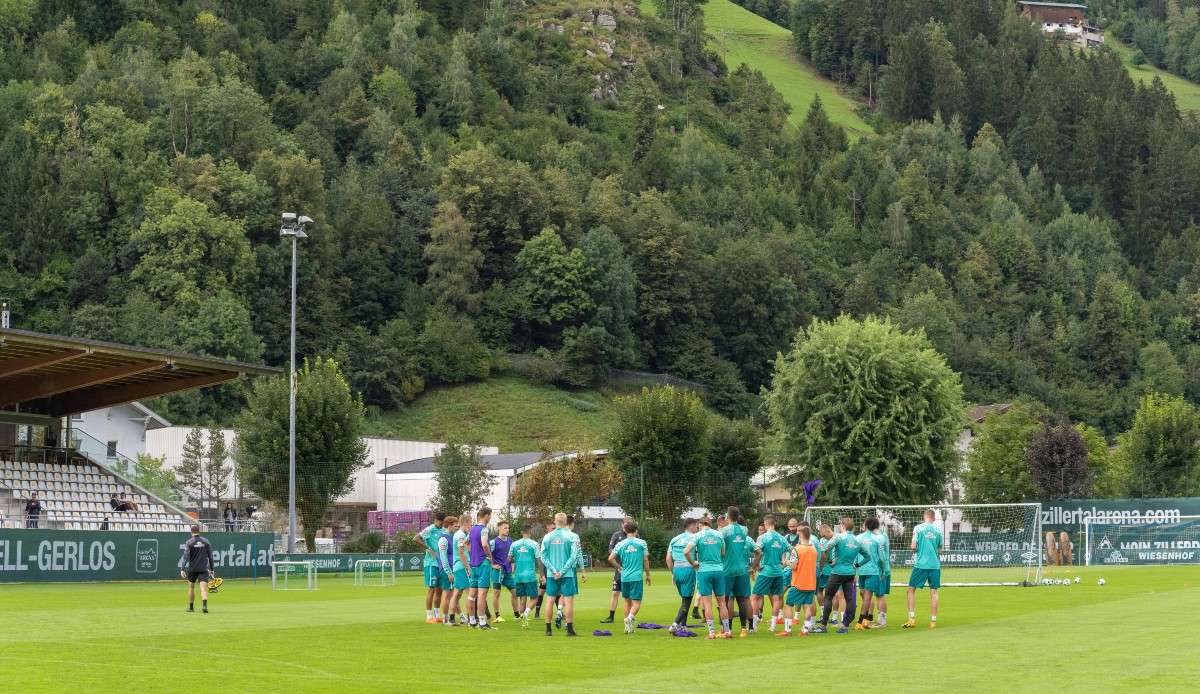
(710, 626)
(808, 624)
(428, 614)
(933, 618)
(787, 625)
(883, 617)
(437, 612)
(472, 618)
(912, 615)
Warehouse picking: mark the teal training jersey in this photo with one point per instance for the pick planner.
(429, 537)
(680, 543)
(560, 552)
(737, 561)
(460, 540)
(844, 551)
(708, 545)
(885, 550)
(631, 552)
(774, 548)
(524, 555)
(442, 542)
(821, 544)
(870, 565)
(929, 541)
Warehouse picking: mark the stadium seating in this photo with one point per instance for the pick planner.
(75, 497)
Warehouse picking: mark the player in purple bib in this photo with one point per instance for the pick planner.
(480, 572)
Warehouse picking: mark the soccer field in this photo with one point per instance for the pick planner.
(1136, 632)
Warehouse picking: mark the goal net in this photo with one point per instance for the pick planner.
(1170, 541)
(982, 544)
(293, 575)
(374, 572)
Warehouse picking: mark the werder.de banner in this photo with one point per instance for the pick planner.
(1069, 514)
(114, 555)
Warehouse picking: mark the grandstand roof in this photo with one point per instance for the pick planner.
(56, 376)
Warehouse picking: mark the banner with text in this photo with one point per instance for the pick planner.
(344, 563)
(1069, 514)
(1165, 543)
(115, 555)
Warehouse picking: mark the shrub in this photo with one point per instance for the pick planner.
(366, 543)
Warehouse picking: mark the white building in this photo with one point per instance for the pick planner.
(410, 485)
(120, 431)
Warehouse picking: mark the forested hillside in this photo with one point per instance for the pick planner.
(575, 178)
(1166, 33)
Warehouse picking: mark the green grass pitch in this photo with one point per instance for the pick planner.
(1137, 632)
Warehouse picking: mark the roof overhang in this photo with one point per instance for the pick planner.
(56, 376)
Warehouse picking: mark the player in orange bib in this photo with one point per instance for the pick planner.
(803, 589)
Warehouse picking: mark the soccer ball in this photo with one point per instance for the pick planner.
(1100, 582)
(1077, 579)
(1046, 581)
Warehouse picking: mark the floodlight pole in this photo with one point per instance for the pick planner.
(295, 229)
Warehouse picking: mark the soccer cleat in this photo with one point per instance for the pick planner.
(803, 632)
(860, 626)
(205, 611)
(607, 620)
(932, 625)
(558, 619)
(499, 619)
(726, 635)
(783, 634)
(430, 620)
(439, 620)
(711, 636)
(878, 625)
(191, 609)
(843, 630)
(910, 624)
(744, 633)
(818, 629)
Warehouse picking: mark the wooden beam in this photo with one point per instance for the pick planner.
(107, 396)
(12, 367)
(23, 388)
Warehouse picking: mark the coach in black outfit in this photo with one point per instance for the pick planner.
(197, 566)
(33, 509)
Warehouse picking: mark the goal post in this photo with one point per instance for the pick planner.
(374, 572)
(1112, 542)
(982, 544)
(282, 575)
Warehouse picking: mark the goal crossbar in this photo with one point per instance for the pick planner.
(281, 572)
(382, 566)
(982, 544)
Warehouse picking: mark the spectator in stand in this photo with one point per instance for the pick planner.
(230, 516)
(33, 509)
(121, 505)
(104, 523)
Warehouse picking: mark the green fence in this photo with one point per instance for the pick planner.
(103, 555)
(344, 563)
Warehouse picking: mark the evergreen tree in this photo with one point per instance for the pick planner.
(454, 261)
(189, 475)
(216, 469)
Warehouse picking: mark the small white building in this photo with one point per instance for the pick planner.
(120, 431)
(408, 486)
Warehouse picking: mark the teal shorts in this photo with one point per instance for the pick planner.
(631, 590)
(527, 589)
(481, 576)
(869, 583)
(502, 579)
(737, 586)
(685, 581)
(460, 579)
(920, 577)
(433, 577)
(564, 586)
(799, 598)
(885, 584)
(445, 580)
(711, 583)
(770, 585)
(822, 581)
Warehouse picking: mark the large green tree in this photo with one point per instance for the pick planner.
(661, 445)
(463, 480)
(996, 468)
(872, 411)
(1163, 447)
(329, 447)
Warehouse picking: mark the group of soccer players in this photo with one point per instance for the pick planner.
(838, 571)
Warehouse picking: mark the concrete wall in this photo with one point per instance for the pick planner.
(124, 424)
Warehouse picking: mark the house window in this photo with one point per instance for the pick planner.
(956, 527)
(77, 417)
(112, 449)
